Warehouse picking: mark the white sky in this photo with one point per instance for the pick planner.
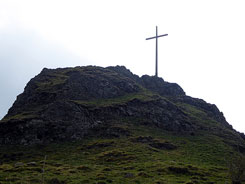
(204, 52)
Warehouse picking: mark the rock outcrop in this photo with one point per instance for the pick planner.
(71, 103)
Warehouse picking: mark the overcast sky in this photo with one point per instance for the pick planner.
(204, 52)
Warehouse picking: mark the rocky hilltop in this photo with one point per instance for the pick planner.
(106, 125)
(72, 103)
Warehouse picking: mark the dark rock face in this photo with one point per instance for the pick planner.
(67, 120)
(210, 109)
(152, 83)
(160, 86)
(163, 145)
(81, 83)
(70, 103)
(54, 125)
(155, 143)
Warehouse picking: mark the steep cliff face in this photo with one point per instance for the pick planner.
(72, 103)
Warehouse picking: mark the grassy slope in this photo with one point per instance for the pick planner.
(201, 158)
(198, 159)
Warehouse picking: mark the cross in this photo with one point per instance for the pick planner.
(156, 37)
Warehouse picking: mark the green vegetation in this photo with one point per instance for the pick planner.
(143, 95)
(21, 116)
(50, 81)
(127, 159)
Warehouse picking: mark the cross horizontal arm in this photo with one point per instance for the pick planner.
(156, 36)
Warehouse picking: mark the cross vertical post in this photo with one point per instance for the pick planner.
(156, 73)
(156, 37)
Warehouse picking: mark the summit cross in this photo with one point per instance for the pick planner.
(156, 37)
